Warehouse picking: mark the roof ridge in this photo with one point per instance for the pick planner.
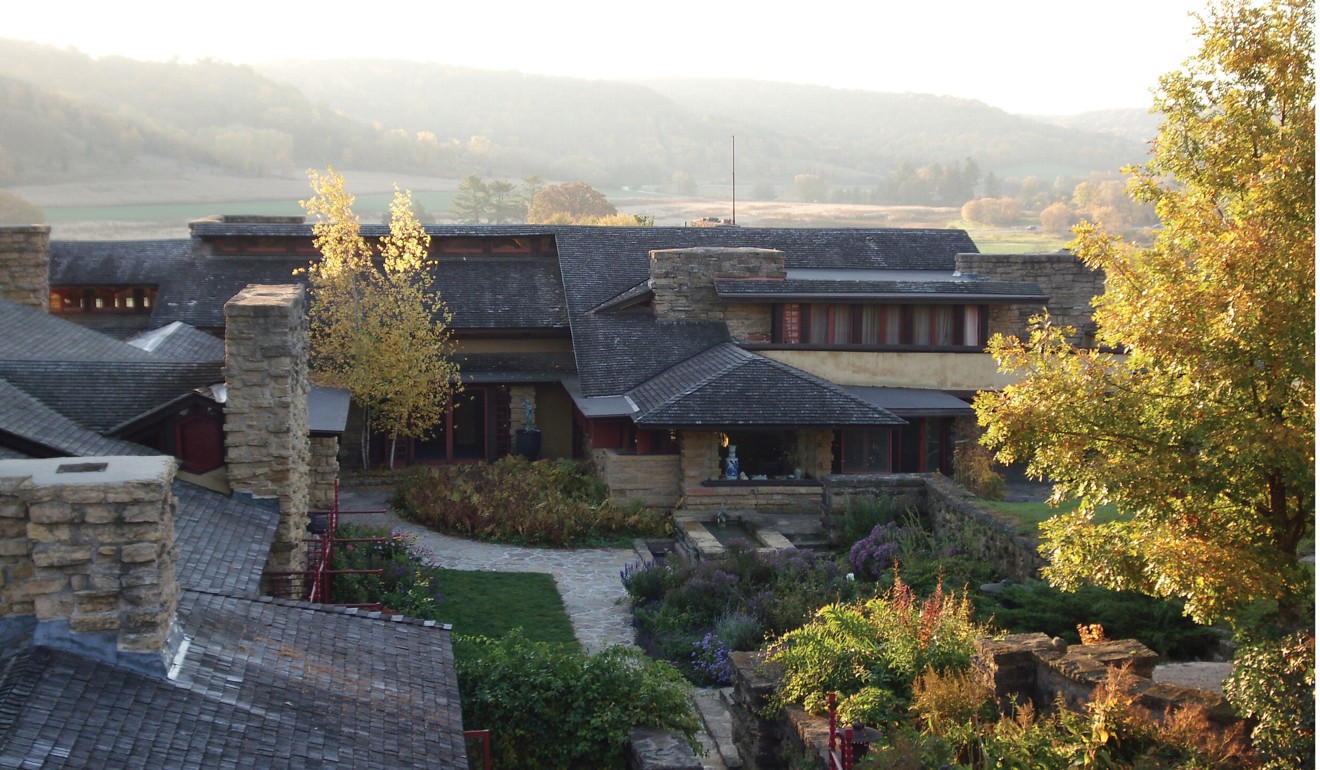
(747, 358)
(330, 609)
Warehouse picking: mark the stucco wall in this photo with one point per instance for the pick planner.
(938, 371)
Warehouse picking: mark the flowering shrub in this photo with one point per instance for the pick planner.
(710, 661)
(736, 600)
(881, 643)
(874, 555)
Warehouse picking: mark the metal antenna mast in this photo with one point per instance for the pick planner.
(734, 158)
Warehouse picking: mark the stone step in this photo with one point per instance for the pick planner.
(712, 705)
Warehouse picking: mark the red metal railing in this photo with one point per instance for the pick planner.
(318, 577)
(841, 741)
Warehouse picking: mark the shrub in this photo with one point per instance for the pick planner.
(739, 599)
(1157, 623)
(555, 503)
(863, 514)
(1273, 682)
(554, 706)
(874, 555)
(883, 642)
(406, 585)
(974, 468)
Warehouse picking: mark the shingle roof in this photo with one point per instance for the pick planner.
(101, 396)
(617, 352)
(178, 341)
(263, 684)
(34, 335)
(732, 387)
(27, 421)
(223, 542)
(515, 367)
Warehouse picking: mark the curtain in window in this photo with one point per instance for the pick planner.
(893, 324)
(842, 333)
(921, 325)
(820, 324)
(871, 315)
(972, 326)
(943, 324)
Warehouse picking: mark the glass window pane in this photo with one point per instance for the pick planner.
(854, 456)
(972, 326)
(871, 324)
(842, 324)
(921, 325)
(944, 325)
(893, 324)
(877, 451)
(820, 324)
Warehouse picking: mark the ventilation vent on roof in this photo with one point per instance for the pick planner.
(82, 467)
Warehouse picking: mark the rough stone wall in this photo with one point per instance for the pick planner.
(700, 453)
(88, 549)
(950, 512)
(25, 265)
(1067, 282)
(652, 479)
(762, 497)
(983, 533)
(683, 280)
(1047, 672)
(267, 448)
(1018, 667)
(323, 472)
(750, 322)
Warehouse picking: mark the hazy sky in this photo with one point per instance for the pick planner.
(1025, 56)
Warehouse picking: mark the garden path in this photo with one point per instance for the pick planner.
(587, 578)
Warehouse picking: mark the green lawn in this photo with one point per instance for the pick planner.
(1030, 515)
(494, 603)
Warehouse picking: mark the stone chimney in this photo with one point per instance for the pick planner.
(25, 265)
(87, 558)
(683, 283)
(267, 448)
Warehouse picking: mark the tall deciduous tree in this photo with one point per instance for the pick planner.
(1199, 424)
(571, 203)
(378, 328)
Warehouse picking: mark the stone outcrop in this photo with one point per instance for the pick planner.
(87, 557)
(25, 265)
(267, 447)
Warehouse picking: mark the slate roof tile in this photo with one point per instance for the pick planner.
(223, 542)
(30, 421)
(263, 683)
(730, 386)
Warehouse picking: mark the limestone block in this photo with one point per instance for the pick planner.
(143, 512)
(61, 555)
(53, 513)
(15, 546)
(96, 601)
(137, 553)
(94, 622)
(53, 606)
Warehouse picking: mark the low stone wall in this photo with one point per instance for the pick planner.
(1020, 668)
(652, 479)
(948, 509)
(762, 497)
(990, 537)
